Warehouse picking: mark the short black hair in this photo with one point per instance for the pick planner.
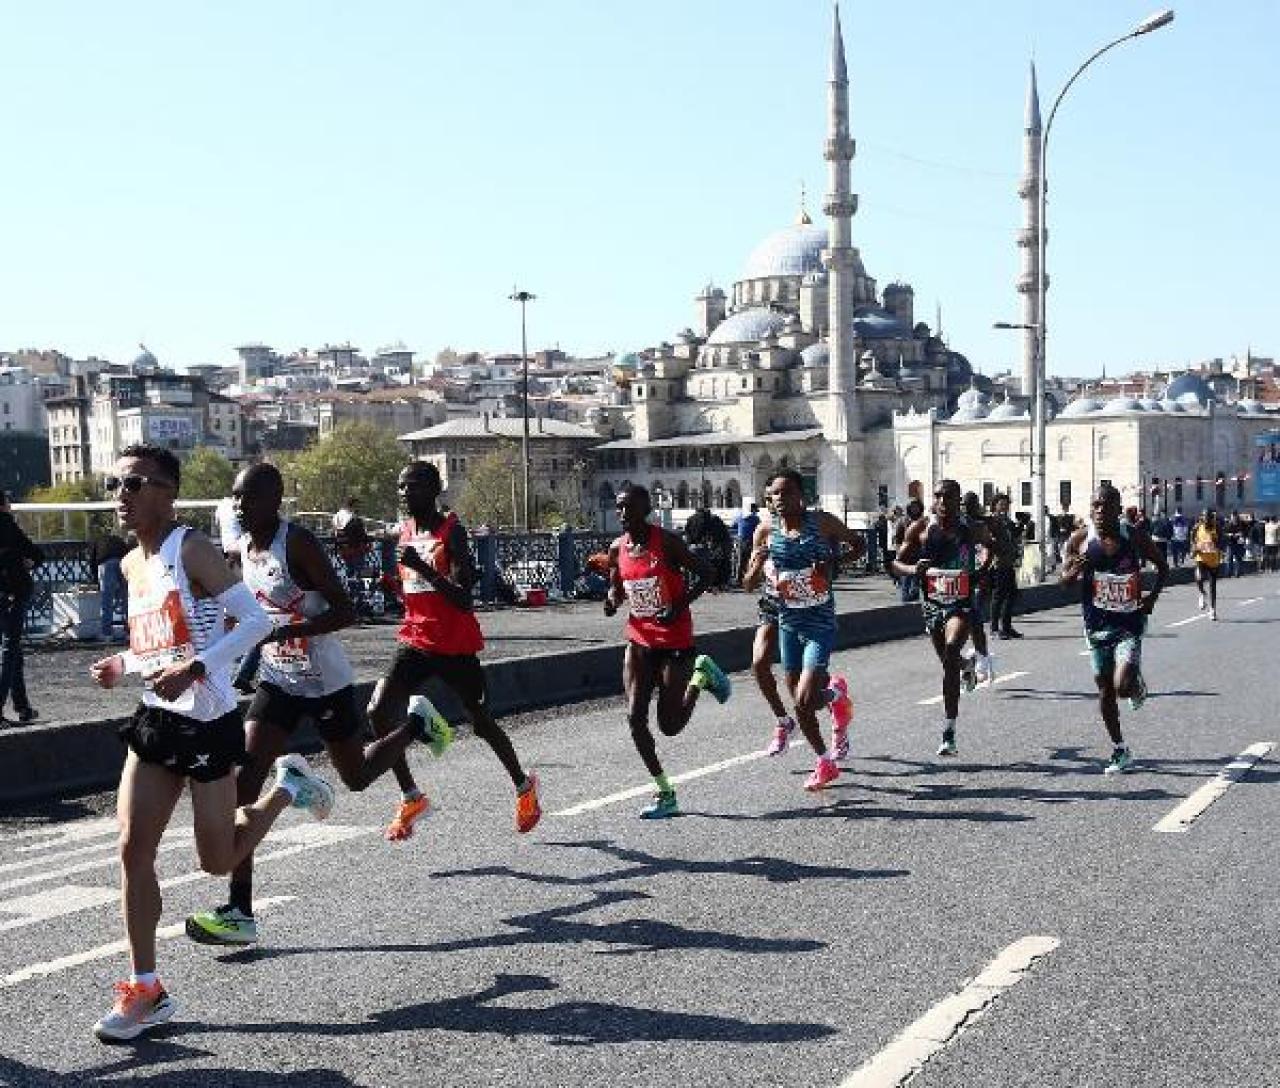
(792, 475)
(639, 491)
(267, 471)
(428, 468)
(165, 460)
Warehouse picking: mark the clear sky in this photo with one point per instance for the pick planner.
(205, 173)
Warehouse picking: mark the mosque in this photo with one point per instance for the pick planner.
(803, 364)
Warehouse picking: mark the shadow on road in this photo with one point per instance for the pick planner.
(154, 1050)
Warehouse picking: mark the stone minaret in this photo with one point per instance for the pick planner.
(843, 483)
(1029, 277)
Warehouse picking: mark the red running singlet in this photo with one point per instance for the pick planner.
(652, 584)
(432, 622)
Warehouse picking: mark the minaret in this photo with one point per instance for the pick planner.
(844, 484)
(1029, 277)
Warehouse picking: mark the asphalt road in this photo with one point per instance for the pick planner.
(767, 937)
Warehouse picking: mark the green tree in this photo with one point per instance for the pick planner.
(74, 526)
(494, 489)
(357, 459)
(206, 474)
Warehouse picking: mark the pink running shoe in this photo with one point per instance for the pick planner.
(823, 775)
(842, 714)
(781, 737)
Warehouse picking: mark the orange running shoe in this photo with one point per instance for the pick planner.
(528, 810)
(408, 814)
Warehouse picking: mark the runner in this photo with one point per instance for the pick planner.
(304, 675)
(187, 728)
(941, 552)
(984, 666)
(1206, 551)
(1107, 559)
(793, 550)
(649, 567)
(764, 649)
(439, 637)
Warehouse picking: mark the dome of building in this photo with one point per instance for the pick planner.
(145, 360)
(815, 355)
(971, 404)
(747, 326)
(791, 252)
(1189, 386)
(1122, 404)
(1081, 406)
(1007, 410)
(629, 361)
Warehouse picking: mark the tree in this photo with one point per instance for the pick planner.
(206, 474)
(74, 526)
(357, 459)
(494, 491)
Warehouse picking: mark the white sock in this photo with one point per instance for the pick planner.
(144, 978)
(410, 795)
(949, 725)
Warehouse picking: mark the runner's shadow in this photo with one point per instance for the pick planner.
(565, 1023)
(643, 865)
(29, 1076)
(1071, 760)
(954, 791)
(862, 808)
(558, 926)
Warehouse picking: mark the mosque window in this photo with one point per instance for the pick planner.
(1064, 449)
(1177, 489)
(1025, 493)
(1064, 493)
(1104, 447)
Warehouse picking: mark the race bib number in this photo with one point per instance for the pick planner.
(411, 580)
(646, 596)
(159, 637)
(292, 657)
(803, 588)
(946, 586)
(1116, 592)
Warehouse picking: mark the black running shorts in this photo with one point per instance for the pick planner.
(411, 668)
(201, 751)
(336, 717)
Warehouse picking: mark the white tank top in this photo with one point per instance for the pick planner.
(307, 667)
(168, 624)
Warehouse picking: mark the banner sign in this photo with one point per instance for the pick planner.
(1267, 463)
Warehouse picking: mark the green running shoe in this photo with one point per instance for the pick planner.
(1121, 761)
(664, 807)
(948, 745)
(227, 925)
(429, 725)
(710, 677)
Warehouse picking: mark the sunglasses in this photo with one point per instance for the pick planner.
(132, 483)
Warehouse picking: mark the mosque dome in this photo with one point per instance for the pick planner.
(971, 405)
(747, 326)
(1187, 387)
(145, 360)
(1007, 410)
(816, 355)
(1117, 405)
(795, 251)
(629, 361)
(1082, 406)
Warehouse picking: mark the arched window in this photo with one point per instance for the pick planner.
(1024, 447)
(985, 448)
(682, 496)
(1104, 447)
(682, 458)
(718, 497)
(733, 494)
(1064, 449)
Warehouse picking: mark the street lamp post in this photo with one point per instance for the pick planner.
(524, 298)
(1152, 22)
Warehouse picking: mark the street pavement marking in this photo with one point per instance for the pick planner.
(1182, 817)
(1003, 678)
(644, 791)
(167, 846)
(943, 1024)
(60, 836)
(115, 948)
(1189, 619)
(1251, 600)
(53, 859)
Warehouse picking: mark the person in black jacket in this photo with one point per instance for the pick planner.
(18, 558)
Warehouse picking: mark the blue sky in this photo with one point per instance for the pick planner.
(200, 174)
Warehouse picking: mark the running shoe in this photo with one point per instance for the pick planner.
(310, 791)
(1139, 695)
(948, 745)
(984, 669)
(528, 810)
(842, 714)
(824, 773)
(664, 807)
(407, 815)
(227, 925)
(710, 677)
(137, 1008)
(429, 725)
(781, 737)
(1121, 761)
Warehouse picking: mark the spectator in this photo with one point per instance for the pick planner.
(908, 587)
(1180, 537)
(111, 587)
(346, 514)
(1161, 533)
(1007, 551)
(1234, 537)
(18, 558)
(878, 541)
(744, 528)
(1270, 544)
(891, 541)
(708, 536)
(229, 529)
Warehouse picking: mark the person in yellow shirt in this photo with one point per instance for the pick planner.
(1206, 549)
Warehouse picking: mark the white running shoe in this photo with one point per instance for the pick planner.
(137, 1008)
(310, 791)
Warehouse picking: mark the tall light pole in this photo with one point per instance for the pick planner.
(1152, 22)
(524, 298)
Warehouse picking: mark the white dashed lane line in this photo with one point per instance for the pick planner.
(1182, 817)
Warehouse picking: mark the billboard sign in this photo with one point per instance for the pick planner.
(1266, 448)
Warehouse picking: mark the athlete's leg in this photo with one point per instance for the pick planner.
(762, 654)
(1213, 591)
(1109, 706)
(264, 743)
(638, 681)
(144, 806)
(389, 709)
(225, 834)
(676, 696)
(360, 765)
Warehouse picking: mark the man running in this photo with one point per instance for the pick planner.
(304, 674)
(793, 549)
(187, 728)
(1206, 551)
(941, 551)
(439, 637)
(1107, 559)
(650, 569)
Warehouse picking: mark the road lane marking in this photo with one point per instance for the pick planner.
(59, 836)
(167, 846)
(1003, 678)
(1189, 619)
(645, 791)
(938, 1028)
(1251, 600)
(1182, 817)
(116, 948)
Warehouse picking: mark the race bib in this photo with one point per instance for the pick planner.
(946, 586)
(803, 588)
(1116, 592)
(159, 637)
(411, 580)
(292, 657)
(646, 596)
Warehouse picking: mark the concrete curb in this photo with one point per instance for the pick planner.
(57, 760)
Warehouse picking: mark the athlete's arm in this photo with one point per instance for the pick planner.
(754, 573)
(312, 570)
(1152, 555)
(907, 563)
(456, 588)
(679, 555)
(837, 531)
(1073, 560)
(617, 593)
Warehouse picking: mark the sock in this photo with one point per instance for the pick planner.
(1120, 746)
(663, 783)
(144, 978)
(949, 726)
(411, 795)
(242, 896)
(787, 722)
(526, 785)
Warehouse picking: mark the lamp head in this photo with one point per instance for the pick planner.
(1154, 22)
